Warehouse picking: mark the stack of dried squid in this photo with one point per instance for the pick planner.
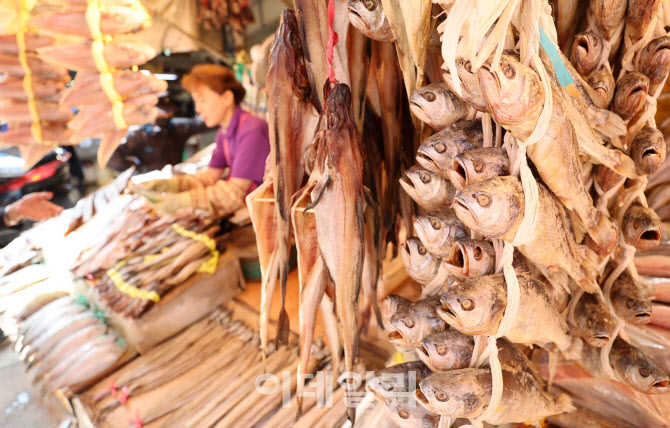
(583, 142)
(30, 91)
(67, 344)
(144, 256)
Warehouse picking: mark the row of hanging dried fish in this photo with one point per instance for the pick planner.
(95, 40)
(524, 153)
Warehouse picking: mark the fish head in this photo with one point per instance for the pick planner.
(630, 300)
(513, 92)
(390, 307)
(406, 413)
(630, 94)
(609, 13)
(436, 105)
(459, 393)
(419, 262)
(437, 151)
(446, 350)
(397, 378)
(437, 230)
(471, 91)
(292, 54)
(478, 165)
(587, 50)
(594, 320)
(338, 107)
(474, 306)
(428, 189)
(638, 369)
(641, 227)
(493, 207)
(603, 83)
(655, 59)
(648, 150)
(370, 19)
(417, 320)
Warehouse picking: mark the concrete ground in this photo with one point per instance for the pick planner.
(14, 381)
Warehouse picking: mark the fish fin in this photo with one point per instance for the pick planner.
(367, 193)
(588, 265)
(319, 188)
(564, 403)
(577, 226)
(604, 234)
(608, 124)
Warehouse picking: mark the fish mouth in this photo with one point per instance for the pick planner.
(417, 105)
(457, 260)
(356, 18)
(638, 90)
(651, 235)
(458, 173)
(641, 318)
(447, 313)
(660, 386)
(427, 162)
(599, 340)
(422, 351)
(461, 207)
(421, 398)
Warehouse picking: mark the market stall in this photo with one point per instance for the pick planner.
(463, 221)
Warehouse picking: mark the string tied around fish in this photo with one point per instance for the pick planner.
(26, 6)
(533, 19)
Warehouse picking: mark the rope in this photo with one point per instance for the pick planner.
(125, 288)
(24, 14)
(136, 421)
(106, 77)
(210, 265)
(332, 40)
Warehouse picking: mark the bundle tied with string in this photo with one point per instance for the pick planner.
(533, 20)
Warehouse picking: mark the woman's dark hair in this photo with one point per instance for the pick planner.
(217, 78)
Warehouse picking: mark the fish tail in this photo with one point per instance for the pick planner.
(587, 265)
(602, 230)
(283, 321)
(564, 404)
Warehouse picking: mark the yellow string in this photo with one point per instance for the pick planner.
(106, 76)
(151, 257)
(24, 15)
(210, 265)
(128, 289)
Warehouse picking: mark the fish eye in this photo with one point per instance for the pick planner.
(441, 396)
(478, 164)
(441, 350)
(643, 372)
(422, 250)
(409, 323)
(468, 66)
(429, 96)
(589, 323)
(630, 303)
(595, 42)
(425, 177)
(403, 413)
(483, 200)
(478, 252)
(467, 304)
(440, 147)
(370, 5)
(637, 223)
(387, 386)
(437, 225)
(508, 70)
(295, 41)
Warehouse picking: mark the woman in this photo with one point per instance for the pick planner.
(242, 145)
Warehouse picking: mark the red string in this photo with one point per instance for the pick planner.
(111, 390)
(332, 39)
(137, 421)
(123, 396)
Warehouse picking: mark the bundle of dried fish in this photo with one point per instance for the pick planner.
(68, 344)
